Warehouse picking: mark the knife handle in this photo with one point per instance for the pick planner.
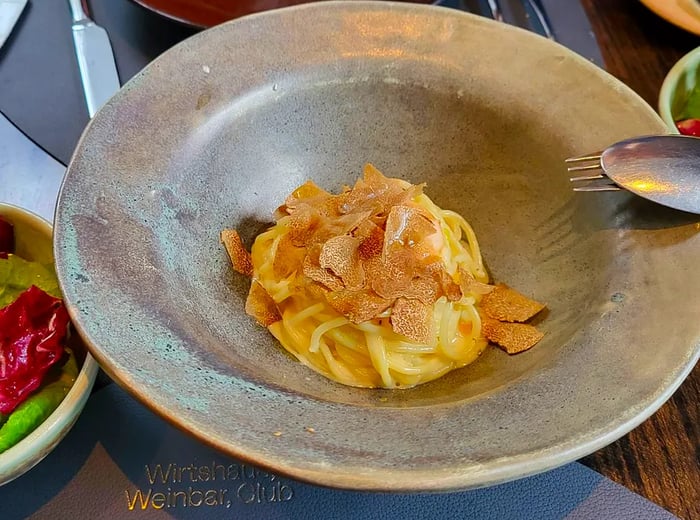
(78, 10)
(496, 11)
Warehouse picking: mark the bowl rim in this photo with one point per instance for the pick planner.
(32, 449)
(670, 86)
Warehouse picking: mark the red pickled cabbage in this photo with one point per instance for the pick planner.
(7, 238)
(32, 332)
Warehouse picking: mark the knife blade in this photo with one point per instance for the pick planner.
(10, 11)
(98, 71)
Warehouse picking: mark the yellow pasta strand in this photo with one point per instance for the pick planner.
(371, 354)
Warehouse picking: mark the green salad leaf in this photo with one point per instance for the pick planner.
(692, 106)
(18, 274)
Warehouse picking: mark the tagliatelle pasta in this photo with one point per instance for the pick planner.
(376, 286)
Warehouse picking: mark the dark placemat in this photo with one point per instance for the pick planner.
(40, 89)
(121, 461)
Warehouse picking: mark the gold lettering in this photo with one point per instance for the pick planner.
(191, 499)
(248, 472)
(246, 492)
(204, 474)
(272, 493)
(138, 495)
(177, 494)
(210, 497)
(286, 493)
(158, 474)
(233, 472)
(158, 500)
(215, 468)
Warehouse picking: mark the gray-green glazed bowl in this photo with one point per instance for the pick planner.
(218, 130)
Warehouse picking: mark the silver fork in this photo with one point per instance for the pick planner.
(661, 168)
(590, 162)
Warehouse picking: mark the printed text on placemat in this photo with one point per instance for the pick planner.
(209, 485)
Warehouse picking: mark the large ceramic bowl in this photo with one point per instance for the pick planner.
(33, 236)
(218, 130)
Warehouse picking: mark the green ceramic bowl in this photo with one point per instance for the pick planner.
(33, 237)
(679, 83)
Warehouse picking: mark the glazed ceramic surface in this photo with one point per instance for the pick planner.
(678, 86)
(33, 242)
(217, 131)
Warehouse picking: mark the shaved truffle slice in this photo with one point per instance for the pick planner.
(376, 193)
(395, 192)
(371, 238)
(511, 337)
(400, 275)
(408, 228)
(312, 269)
(339, 225)
(288, 258)
(316, 291)
(358, 306)
(424, 289)
(302, 224)
(261, 306)
(340, 254)
(448, 286)
(240, 257)
(506, 304)
(413, 319)
(309, 192)
(469, 284)
(390, 278)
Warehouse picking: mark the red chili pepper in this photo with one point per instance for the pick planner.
(32, 333)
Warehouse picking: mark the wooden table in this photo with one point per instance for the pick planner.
(660, 458)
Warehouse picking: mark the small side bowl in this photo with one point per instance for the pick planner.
(33, 237)
(677, 86)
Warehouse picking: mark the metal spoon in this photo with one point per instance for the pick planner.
(661, 168)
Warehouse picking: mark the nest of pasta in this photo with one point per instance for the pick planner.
(377, 286)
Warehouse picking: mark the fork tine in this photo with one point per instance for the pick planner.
(583, 168)
(596, 165)
(591, 157)
(587, 178)
(606, 187)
